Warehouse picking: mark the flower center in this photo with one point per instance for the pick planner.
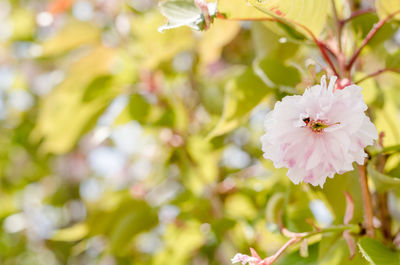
(316, 125)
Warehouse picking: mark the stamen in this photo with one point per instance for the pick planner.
(318, 125)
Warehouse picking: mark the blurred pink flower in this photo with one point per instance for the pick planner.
(319, 133)
(254, 259)
(244, 259)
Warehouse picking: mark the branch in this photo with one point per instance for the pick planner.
(296, 237)
(370, 35)
(338, 228)
(339, 25)
(395, 70)
(222, 16)
(320, 44)
(367, 202)
(274, 257)
(357, 14)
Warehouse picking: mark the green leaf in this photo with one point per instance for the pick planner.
(382, 181)
(387, 7)
(139, 108)
(333, 250)
(23, 24)
(213, 40)
(376, 253)
(242, 10)
(121, 221)
(205, 159)
(97, 88)
(275, 74)
(267, 43)
(73, 233)
(183, 13)
(81, 96)
(363, 24)
(239, 9)
(73, 35)
(393, 60)
(240, 206)
(295, 258)
(274, 208)
(128, 225)
(151, 48)
(311, 14)
(181, 243)
(333, 192)
(389, 150)
(387, 123)
(242, 94)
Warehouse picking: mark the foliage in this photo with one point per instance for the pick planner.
(124, 145)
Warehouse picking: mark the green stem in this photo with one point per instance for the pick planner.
(353, 228)
(340, 228)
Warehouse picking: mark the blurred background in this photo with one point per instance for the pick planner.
(124, 145)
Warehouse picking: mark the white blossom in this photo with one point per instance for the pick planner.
(319, 133)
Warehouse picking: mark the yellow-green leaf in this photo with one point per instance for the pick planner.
(376, 253)
(152, 47)
(238, 9)
(65, 113)
(242, 94)
(74, 34)
(382, 182)
(386, 7)
(211, 44)
(73, 233)
(312, 14)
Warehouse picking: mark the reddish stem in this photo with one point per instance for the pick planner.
(357, 14)
(222, 16)
(339, 25)
(321, 47)
(367, 201)
(367, 39)
(289, 243)
(320, 44)
(396, 70)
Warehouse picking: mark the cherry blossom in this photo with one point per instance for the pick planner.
(319, 133)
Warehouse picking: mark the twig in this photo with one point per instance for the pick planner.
(357, 13)
(382, 198)
(370, 35)
(339, 25)
(396, 70)
(338, 228)
(367, 202)
(274, 257)
(222, 16)
(320, 44)
(384, 215)
(326, 47)
(296, 237)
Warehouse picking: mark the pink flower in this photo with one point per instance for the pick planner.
(319, 133)
(254, 259)
(244, 259)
